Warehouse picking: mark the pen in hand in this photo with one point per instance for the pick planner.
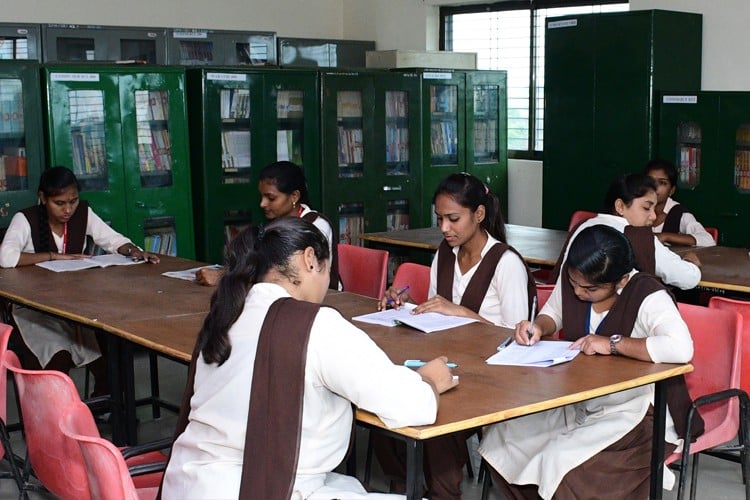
(391, 300)
(530, 331)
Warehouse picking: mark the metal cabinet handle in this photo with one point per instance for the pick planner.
(392, 188)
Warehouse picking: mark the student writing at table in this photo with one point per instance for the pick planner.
(283, 191)
(674, 224)
(268, 404)
(475, 273)
(56, 229)
(599, 448)
(630, 208)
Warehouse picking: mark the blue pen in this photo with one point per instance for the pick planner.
(391, 300)
(416, 363)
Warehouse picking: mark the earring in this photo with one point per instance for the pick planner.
(312, 267)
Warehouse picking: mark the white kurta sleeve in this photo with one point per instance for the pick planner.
(103, 235)
(669, 339)
(689, 225)
(17, 240)
(673, 270)
(511, 283)
(327, 231)
(351, 365)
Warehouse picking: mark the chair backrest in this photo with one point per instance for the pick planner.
(42, 394)
(416, 277)
(714, 232)
(543, 291)
(717, 342)
(5, 331)
(742, 307)
(363, 270)
(107, 474)
(578, 217)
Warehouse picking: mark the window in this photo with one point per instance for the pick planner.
(510, 36)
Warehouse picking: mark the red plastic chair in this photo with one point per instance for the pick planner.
(543, 292)
(714, 232)
(107, 473)
(416, 277)
(578, 217)
(42, 394)
(6, 451)
(713, 386)
(363, 270)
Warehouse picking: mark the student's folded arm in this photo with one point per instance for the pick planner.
(673, 270)
(669, 339)
(353, 366)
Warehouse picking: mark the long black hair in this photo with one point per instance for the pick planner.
(470, 192)
(248, 257)
(53, 182)
(288, 177)
(602, 254)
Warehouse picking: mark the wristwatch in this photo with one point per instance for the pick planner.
(613, 341)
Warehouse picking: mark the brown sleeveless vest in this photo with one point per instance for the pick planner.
(275, 415)
(672, 221)
(335, 278)
(620, 320)
(480, 282)
(641, 241)
(76, 229)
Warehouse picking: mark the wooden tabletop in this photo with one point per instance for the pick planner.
(725, 268)
(537, 245)
(488, 394)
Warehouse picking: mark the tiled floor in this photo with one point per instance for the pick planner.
(719, 479)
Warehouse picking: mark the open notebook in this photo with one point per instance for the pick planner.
(543, 353)
(106, 260)
(426, 322)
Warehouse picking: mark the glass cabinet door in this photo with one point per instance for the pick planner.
(152, 132)
(87, 138)
(290, 114)
(349, 121)
(14, 174)
(485, 127)
(688, 154)
(235, 116)
(444, 124)
(742, 158)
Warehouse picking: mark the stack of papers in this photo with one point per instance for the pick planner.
(426, 322)
(106, 260)
(543, 353)
(189, 274)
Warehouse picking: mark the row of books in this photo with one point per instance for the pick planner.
(89, 150)
(397, 220)
(196, 51)
(235, 103)
(11, 106)
(485, 100)
(163, 242)
(151, 105)
(289, 146)
(396, 104)
(485, 137)
(155, 155)
(443, 99)
(396, 143)
(235, 149)
(689, 165)
(444, 140)
(350, 227)
(349, 104)
(290, 104)
(350, 145)
(742, 169)
(14, 173)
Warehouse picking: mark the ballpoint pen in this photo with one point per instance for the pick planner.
(391, 300)
(505, 343)
(416, 363)
(530, 331)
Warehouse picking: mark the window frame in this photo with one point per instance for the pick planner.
(531, 6)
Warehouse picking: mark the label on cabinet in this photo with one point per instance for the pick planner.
(74, 77)
(680, 99)
(567, 23)
(432, 75)
(232, 77)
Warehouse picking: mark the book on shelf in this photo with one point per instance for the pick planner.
(427, 322)
(235, 145)
(235, 103)
(290, 104)
(351, 223)
(105, 260)
(349, 104)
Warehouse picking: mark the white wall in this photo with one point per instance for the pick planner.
(393, 24)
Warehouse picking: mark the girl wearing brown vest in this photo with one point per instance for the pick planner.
(674, 224)
(600, 448)
(267, 411)
(474, 274)
(283, 191)
(56, 229)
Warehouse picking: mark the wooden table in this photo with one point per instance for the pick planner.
(538, 246)
(136, 304)
(723, 268)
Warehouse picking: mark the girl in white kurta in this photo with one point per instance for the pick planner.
(685, 230)
(343, 366)
(61, 229)
(469, 217)
(544, 448)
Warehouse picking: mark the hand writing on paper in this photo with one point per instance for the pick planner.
(394, 298)
(522, 333)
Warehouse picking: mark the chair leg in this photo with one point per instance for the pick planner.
(487, 483)
(368, 458)
(153, 362)
(14, 468)
(694, 476)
